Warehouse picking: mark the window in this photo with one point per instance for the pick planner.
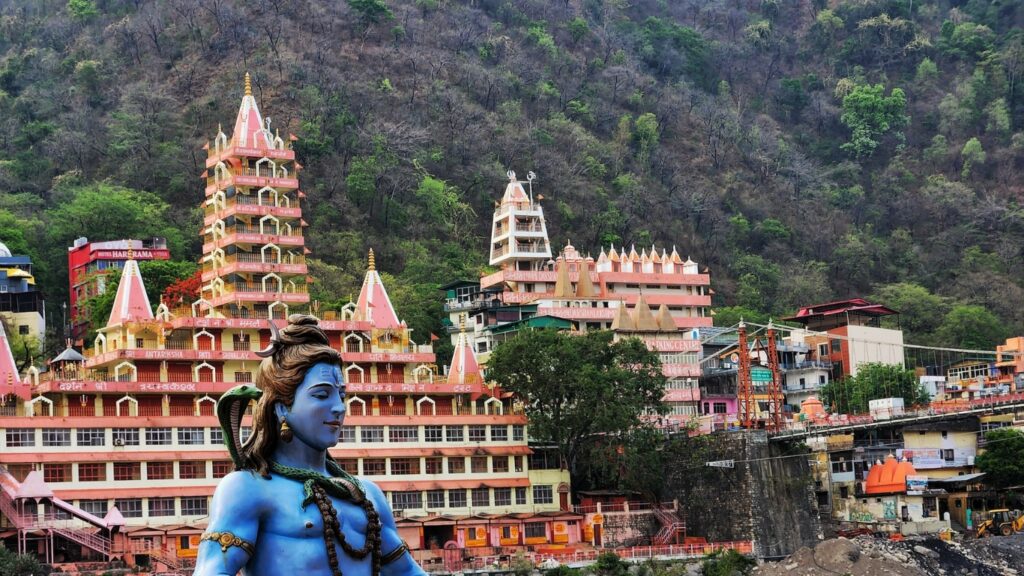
(91, 437)
(543, 495)
(159, 470)
(348, 435)
(535, 530)
(457, 498)
(499, 433)
(822, 350)
(191, 469)
(844, 492)
(499, 464)
(478, 433)
(502, 496)
(222, 468)
(405, 466)
(127, 471)
(191, 436)
(374, 467)
(837, 345)
(194, 506)
(433, 434)
(23, 329)
(947, 455)
(57, 472)
(453, 433)
(94, 507)
(161, 506)
(129, 507)
(158, 436)
(435, 499)
(520, 463)
(243, 377)
(521, 495)
(350, 465)
(518, 432)
(481, 497)
(406, 500)
(92, 471)
(719, 407)
(456, 465)
(126, 436)
(433, 465)
(403, 434)
(478, 464)
(216, 436)
(20, 437)
(56, 437)
(371, 433)
(244, 432)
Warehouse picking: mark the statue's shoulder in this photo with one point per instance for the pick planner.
(244, 485)
(373, 492)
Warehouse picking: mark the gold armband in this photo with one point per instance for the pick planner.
(227, 540)
(395, 554)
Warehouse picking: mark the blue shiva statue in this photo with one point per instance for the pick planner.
(289, 509)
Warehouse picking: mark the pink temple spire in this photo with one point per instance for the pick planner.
(464, 368)
(374, 304)
(250, 130)
(131, 303)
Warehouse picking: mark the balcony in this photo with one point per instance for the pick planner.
(807, 364)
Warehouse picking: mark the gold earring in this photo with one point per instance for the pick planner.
(286, 431)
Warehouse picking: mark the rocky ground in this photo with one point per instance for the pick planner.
(915, 556)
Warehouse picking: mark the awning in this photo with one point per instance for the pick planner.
(956, 479)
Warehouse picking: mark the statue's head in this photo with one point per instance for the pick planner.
(300, 355)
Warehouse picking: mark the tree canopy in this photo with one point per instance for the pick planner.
(1003, 459)
(580, 389)
(873, 381)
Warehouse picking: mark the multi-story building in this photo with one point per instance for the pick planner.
(89, 265)
(21, 302)
(577, 291)
(125, 439)
(850, 335)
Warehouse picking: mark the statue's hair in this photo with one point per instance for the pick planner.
(301, 345)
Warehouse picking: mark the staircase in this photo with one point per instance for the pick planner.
(673, 528)
(67, 528)
(161, 556)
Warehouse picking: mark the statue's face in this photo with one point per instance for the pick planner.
(318, 410)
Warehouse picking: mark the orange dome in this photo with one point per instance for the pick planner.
(889, 478)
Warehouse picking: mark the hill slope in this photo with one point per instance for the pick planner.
(803, 150)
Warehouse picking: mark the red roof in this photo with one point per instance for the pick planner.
(374, 304)
(858, 306)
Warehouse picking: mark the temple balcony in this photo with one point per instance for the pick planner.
(231, 151)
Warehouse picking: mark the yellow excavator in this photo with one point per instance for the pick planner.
(1002, 521)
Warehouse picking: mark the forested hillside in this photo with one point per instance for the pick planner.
(803, 150)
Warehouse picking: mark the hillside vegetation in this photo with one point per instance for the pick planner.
(803, 150)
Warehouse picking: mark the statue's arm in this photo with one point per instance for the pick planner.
(400, 564)
(235, 511)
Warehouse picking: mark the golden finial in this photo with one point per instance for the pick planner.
(131, 250)
(373, 264)
(462, 323)
(248, 85)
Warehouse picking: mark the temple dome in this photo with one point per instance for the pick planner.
(5, 252)
(890, 477)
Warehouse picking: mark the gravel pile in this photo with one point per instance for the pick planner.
(867, 556)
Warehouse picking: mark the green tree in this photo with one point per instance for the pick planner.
(157, 275)
(870, 115)
(873, 381)
(578, 29)
(579, 389)
(1003, 459)
(371, 11)
(114, 212)
(731, 315)
(921, 312)
(971, 326)
(12, 564)
(609, 564)
(973, 154)
(83, 10)
(13, 233)
(726, 563)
